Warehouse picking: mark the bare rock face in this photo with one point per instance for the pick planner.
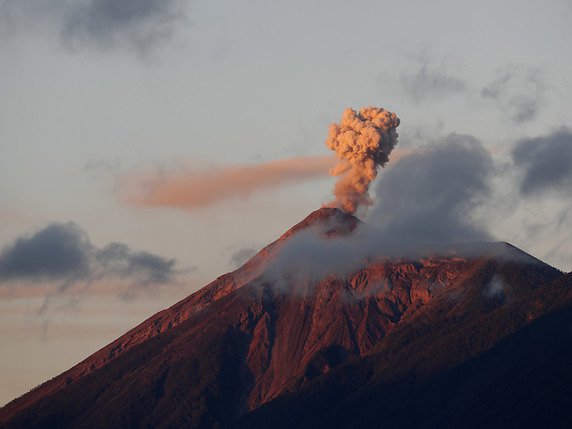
(242, 342)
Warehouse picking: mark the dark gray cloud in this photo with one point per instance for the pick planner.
(63, 252)
(425, 206)
(518, 91)
(242, 255)
(118, 260)
(103, 25)
(430, 81)
(545, 162)
(56, 252)
(133, 24)
(430, 196)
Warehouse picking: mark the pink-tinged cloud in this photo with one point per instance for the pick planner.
(197, 189)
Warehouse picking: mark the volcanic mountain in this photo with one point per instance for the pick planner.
(314, 331)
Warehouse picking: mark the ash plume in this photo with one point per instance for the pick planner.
(362, 142)
(191, 189)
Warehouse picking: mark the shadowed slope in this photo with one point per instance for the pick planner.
(242, 341)
(465, 360)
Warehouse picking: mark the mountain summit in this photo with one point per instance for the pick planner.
(443, 336)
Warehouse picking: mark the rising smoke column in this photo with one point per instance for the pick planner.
(362, 141)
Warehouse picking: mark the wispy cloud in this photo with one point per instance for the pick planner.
(62, 254)
(137, 26)
(545, 163)
(429, 79)
(242, 255)
(516, 90)
(193, 189)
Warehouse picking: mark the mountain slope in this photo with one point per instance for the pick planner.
(460, 362)
(252, 338)
(328, 221)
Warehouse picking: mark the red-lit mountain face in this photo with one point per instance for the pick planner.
(260, 346)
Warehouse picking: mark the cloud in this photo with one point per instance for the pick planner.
(495, 288)
(118, 260)
(63, 252)
(545, 162)
(430, 81)
(311, 256)
(103, 25)
(430, 196)
(197, 189)
(518, 91)
(242, 255)
(102, 167)
(59, 251)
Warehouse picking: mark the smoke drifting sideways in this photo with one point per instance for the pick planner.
(362, 142)
(434, 194)
(190, 190)
(310, 257)
(425, 208)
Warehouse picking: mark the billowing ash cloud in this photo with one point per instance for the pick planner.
(135, 25)
(63, 252)
(545, 162)
(191, 189)
(430, 196)
(362, 142)
(518, 91)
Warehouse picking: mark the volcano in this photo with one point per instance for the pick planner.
(456, 335)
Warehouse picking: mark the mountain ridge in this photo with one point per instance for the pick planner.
(256, 342)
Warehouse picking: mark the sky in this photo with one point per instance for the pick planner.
(147, 147)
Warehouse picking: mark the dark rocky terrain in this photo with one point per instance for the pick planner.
(452, 336)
